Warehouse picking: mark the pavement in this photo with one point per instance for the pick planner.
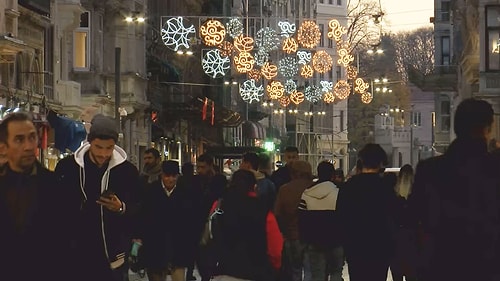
(136, 277)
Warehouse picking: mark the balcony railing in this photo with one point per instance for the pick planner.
(442, 77)
(48, 88)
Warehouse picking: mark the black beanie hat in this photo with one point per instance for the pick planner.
(103, 127)
(170, 167)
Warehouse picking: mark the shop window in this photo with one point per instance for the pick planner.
(493, 38)
(81, 43)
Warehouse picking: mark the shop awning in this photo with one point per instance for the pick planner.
(253, 130)
(69, 133)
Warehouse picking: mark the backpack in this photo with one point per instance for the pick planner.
(212, 225)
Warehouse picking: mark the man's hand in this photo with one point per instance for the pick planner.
(111, 203)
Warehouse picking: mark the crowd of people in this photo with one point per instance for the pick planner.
(84, 221)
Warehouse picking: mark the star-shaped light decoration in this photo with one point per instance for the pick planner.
(174, 34)
(249, 92)
(214, 64)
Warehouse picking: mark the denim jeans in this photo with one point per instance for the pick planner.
(324, 262)
(292, 260)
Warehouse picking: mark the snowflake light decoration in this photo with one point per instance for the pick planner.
(361, 86)
(290, 86)
(254, 74)
(244, 62)
(345, 58)
(249, 92)
(297, 97)
(288, 67)
(336, 30)
(352, 72)
(366, 97)
(322, 62)
(267, 39)
(261, 57)
(275, 90)
(174, 34)
(329, 97)
(290, 45)
(309, 34)
(306, 71)
(214, 64)
(243, 43)
(304, 57)
(287, 29)
(284, 101)
(313, 93)
(326, 86)
(342, 89)
(226, 49)
(212, 32)
(234, 27)
(269, 71)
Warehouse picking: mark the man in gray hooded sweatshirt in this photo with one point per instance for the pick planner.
(101, 195)
(319, 228)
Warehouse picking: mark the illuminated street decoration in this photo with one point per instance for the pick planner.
(234, 27)
(326, 86)
(275, 90)
(284, 101)
(254, 74)
(244, 62)
(322, 62)
(288, 67)
(313, 93)
(309, 34)
(214, 64)
(267, 39)
(352, 72)
(287, 29)
(297, 97)
(361, 86)
(342, 89)
(345, 58)
(212, 33)
(306, 71)
(261, 57)
(366, 97)
(336, 30)
(249, 92)
(269, 71)
(243, 43)
(174, 34)
(226, 49)
(304, 57)
(329, 97)
(290, 86)
(290, 45)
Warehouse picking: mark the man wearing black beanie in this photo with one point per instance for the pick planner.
(102, 188)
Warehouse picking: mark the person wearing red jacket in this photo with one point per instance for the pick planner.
(251, 242)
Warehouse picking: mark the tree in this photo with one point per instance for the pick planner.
(364, 29)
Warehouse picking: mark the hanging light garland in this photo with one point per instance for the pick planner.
(284, 101)
(244, 62)
(352, 72)
(290, 86)
(269, 71)
(261, 57)
(342, 89)
(214, 64)
(297, 97)
(275, 90)
(336, 30)
(243, 43)
(313, 93)
(212, 32)
(326, 86)
(287, 29)
(288, 67)
(267, 39)
(304, 57)
(345, 58)
(254, 74)
(366, 97)
(175, 34)
(322, 62)
(361, 86)
(234, 27)
(329, 97)
(306, 71)
(249, 92)
(290, 45)
(226, 49)
(309, 34)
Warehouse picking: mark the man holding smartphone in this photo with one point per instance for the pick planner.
(102, 194)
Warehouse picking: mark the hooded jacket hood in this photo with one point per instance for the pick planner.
(119, 156)
(321, 190)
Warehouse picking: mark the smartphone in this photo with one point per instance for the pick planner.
(108, 193)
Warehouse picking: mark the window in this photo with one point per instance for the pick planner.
(339, 73)
(342, 121)
(322, 76)
(416, 118)
(321, 1)
(339, 2)
(445, 50)
(492, 37)
(330, 43)
(81, 43)
(322, 37)
(330, 75)
(445, 116)
(330, 2)
(445, 11)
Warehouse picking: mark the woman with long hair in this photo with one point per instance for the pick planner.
(405, 252)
